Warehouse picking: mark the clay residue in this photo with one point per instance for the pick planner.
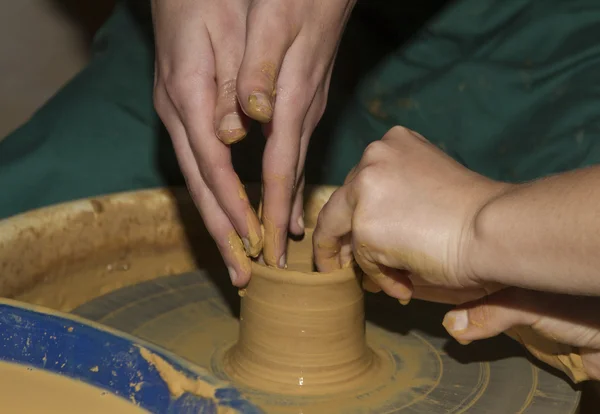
(177, 382)
(27, 390)
(271, 249)
(254, 237)
(269, 69)
(242, 191)
(237, 250)
(560, 356)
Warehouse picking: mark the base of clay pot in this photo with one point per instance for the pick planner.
(400, 370)
(240, 371)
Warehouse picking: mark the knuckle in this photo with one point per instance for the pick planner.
(366, 228)
(175, 86)
(227, 92)
(182, 87)
(295, 94)
(406, 134)
(228, 88)
(374, 152)
(367, 179)
(274, 16)
(399, 130)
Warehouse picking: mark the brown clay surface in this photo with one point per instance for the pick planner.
(66, 256)
(26, 390)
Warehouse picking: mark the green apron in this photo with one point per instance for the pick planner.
(507, 87)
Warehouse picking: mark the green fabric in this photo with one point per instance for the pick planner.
(98, 135)
(510, 88)
(507, 87)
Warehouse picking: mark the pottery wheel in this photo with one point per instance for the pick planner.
(195, 316)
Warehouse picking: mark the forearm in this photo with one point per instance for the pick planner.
(542, 235)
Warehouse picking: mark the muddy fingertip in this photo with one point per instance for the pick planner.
(231, 129)
(260, 107)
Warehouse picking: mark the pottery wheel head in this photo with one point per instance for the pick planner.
(196, 316)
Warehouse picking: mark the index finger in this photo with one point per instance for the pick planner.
(214, 161)
(283, 154)
(334, 222)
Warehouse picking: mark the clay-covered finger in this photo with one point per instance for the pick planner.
(228, 241)
(217, 223)
(283, 159)
(188, 81)
(334, 222)
(279, 177)
(213, 157)
(269, 35)
(393, 282)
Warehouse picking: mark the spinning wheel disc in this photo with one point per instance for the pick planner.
(196, 317)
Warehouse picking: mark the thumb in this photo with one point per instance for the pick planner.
(552, 327)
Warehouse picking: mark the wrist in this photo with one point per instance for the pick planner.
(483, 255)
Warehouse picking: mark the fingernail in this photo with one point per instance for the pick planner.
(232, 274)
(282, 261)
(259, 107)
(404, 302)
(247, 245)
(231, 129)
(301, 222)
(456, 321)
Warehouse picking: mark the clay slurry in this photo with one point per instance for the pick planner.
(27, 390)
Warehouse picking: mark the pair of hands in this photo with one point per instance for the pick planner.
(221, 64)
(408, 215)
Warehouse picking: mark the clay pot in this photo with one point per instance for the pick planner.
(301, 332)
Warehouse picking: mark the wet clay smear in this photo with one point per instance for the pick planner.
(26, 390)
(179, 383)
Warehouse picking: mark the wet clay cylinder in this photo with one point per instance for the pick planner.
(301, 332)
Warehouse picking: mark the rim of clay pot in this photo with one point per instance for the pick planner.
(296, 277)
